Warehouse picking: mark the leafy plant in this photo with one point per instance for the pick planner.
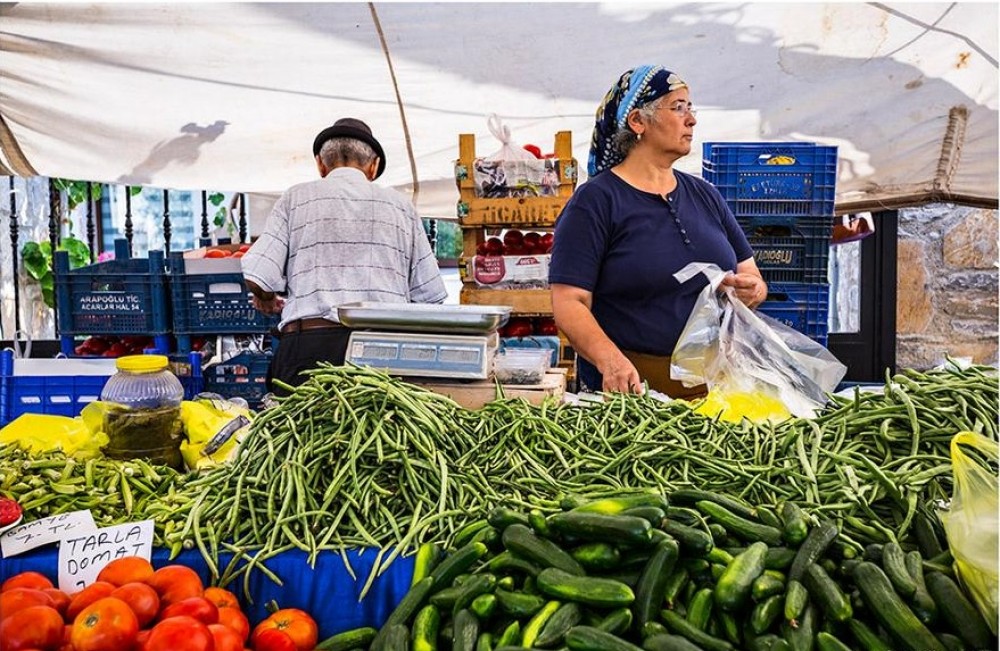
(76, 191)
(216, 199)
(37, 258)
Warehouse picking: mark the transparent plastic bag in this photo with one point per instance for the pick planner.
(971, 522)
(734, 350)
(512, 171)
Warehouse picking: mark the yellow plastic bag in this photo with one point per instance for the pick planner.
(971, 521)
(40, 433)
(733, 405)
(214, 429)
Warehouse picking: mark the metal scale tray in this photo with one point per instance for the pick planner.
(424, 317)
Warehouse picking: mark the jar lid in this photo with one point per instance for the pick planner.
(142, 363)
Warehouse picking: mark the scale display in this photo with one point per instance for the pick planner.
(425, 355)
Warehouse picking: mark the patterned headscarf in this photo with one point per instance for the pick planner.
(634, 88)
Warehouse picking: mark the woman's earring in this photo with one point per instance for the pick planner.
(638, 137)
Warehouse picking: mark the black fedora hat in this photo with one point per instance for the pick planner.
(351, 128)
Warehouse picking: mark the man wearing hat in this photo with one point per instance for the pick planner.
(336, 240)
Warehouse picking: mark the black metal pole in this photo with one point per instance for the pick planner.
(204, 214)
(128, 218)
(243, 218)
(13, 257)
(90, 221)
(55, 223)
(166, 223)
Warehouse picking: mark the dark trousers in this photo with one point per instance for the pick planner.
(300, 351)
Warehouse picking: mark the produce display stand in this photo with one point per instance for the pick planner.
(473, 395)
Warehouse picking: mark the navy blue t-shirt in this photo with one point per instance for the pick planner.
(624, 245)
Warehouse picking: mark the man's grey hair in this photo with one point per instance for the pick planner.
(339, 152)
(625, 139)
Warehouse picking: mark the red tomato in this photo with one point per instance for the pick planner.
(216, 253)
(236, 620)
(226, 639)
(296, 623)
(221, 597)
(35, 627)
(106, 625)
(244, 248)
(238, 254)
(546, 242)
(273, 640)
(494, 246)
(60, 600)
(17, 599)
(87, 596)
(35, 580)
(128, 569)
(141, 639)
(532, 243)
(67, 634)
(176, 582)
(198, 607)
(141, 598)
(180, 634)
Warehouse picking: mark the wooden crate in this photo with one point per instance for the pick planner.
(473, 395)
(524, 301)
(517, 212)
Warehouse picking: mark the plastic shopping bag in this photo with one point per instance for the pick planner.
(752, 357)
(971, 522)
(215, 429)
(41, 433)
(512, 171)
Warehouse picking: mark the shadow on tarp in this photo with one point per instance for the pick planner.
(327, 592)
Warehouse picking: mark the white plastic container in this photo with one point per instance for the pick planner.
(522, 365)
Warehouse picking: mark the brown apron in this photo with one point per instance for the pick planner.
(655, 370)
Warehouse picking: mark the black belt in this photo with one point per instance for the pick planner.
(313, 323)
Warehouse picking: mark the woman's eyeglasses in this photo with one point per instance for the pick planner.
(682, 109)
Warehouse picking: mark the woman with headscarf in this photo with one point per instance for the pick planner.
(629, 228)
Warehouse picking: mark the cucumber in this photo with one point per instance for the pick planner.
(669, 643)
(684, 515)
(518, 604)
(733, 587)
(678, 579)
(765, 586)
(865, 637)
(731, 504)
(502, 517)
(699, 609)
(589, 638)
(358, 637)
(427, 558)
(681, 626)
(405, 609)
(796, 597)
(719, 533)
(894, 564)
(952, 642)
(730, 627)
(478, 585)
(739, 526)
(923, 604)
(508, 582)
(484, 606)
(591, 591)
(519, 539)
(617, 621)
(539, 523)
(445, 599)
(456, 563)
(827, 642)
(535, 624)
(597, 556)
(485, 642)
(766, 613)
(397, 636)
(508, 563)
(801, 637)
(891, 612)
(693, 541)
(873, 552)
(794, 525)
(554, 630)
(779, 558)
(768, 517)
(511, 635)
(464, 631)
(764, 642)
(654, 514)
(653, 628)
(958, 611)
(812, 548)
(598, 527)
(617, 504)
(629, 577)
(425, 629)
(827, 594)
(651, 588)
(925, 526)
(465, 535)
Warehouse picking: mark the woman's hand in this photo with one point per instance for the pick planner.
(620, 375)
(748, 287)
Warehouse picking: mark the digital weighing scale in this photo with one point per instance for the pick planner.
(439, 341)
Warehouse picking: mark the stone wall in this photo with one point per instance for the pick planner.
(948, 285)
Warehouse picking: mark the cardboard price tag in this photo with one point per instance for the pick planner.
(44, 531)
(82, 557)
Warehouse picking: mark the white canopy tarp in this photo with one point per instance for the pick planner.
(230, 96)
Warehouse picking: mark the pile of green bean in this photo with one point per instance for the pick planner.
(355, 458)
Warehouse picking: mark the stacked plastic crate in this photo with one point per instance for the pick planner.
(782, 195)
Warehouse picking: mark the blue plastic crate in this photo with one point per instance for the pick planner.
(124, 296)
(211, 303)
(242, 376)
(790, 249)
(802, 306)
(772, 178)
(57, 387)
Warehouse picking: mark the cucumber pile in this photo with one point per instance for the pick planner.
(698, 571)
